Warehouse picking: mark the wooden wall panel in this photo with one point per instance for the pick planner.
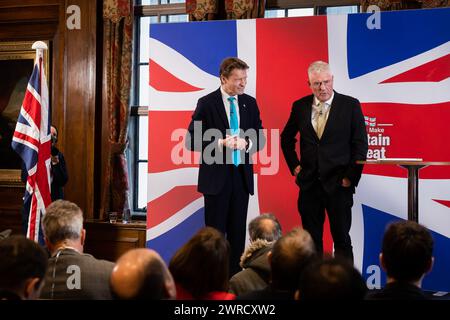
(77, 119)
(39, 13)
(109, 241)
(76, 101)
(73, 90)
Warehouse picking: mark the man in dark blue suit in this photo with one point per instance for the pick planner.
(226, 127)
(332, 139)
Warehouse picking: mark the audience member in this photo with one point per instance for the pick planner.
(22, 268)
(264, 230)
(406, 256)
(331, 279)
(200, 267)
(289, 256)
(141, 274)
(72, 274)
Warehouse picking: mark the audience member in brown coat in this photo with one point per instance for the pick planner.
(264, 230)
(289, 256)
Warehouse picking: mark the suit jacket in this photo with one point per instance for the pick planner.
(210, 112)
(397, 291)
(334, 156)
(93, 277)
(59, 176)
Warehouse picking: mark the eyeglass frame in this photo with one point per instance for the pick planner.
(317, 85)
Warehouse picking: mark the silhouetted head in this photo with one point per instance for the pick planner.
(141, 274)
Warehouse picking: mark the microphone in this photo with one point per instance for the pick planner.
(320, 113)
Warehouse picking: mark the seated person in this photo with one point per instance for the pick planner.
(200, 267)
(141, 274)
(288, 258)
(331, 279)
(264, 230)
(22, 268)
(72, 274)
(406, 256)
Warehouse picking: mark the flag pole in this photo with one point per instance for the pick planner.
(39, 45)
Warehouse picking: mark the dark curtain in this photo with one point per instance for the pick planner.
(387, 5)
(118, 32)
(202, 10)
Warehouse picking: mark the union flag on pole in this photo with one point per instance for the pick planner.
(32, 141)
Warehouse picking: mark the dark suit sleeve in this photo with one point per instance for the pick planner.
(288, 140)
(196, 140)
(257, 135)
(59, 171)
(193, 136)
(359, 145)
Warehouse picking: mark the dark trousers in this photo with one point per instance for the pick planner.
(227, 212)
(312, 204)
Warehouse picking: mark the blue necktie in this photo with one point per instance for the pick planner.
(234, 126)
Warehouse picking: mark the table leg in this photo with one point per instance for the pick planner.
(413, 191)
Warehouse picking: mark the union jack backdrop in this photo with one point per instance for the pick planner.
(400, 73)
(32, 141)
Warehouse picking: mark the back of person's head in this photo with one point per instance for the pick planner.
(265, 227)
(289, 256)
(201, 265)
(331, 279)
(141, 274)
(23, 264)
(407, 251)
(62, 221)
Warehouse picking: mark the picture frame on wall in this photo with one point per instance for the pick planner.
(16, 65)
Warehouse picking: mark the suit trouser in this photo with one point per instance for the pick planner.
(312, 204)
(227, 212)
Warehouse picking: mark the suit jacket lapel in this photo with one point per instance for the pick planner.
(309, 103)
(220, 108)
(333, 113)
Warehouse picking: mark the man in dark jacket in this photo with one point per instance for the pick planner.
(227, 129)
(332, 139)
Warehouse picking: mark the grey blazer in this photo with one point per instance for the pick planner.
(73, 275)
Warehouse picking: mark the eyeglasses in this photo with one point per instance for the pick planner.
(319, 84)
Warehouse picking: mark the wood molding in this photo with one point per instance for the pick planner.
(11, 178)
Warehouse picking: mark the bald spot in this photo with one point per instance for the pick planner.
(128, 274)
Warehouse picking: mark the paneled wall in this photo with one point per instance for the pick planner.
(76, 74)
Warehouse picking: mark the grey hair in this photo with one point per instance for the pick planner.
(259, 229)
(63, 220)
(317, 67)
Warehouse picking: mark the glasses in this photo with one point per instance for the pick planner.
(319, 84)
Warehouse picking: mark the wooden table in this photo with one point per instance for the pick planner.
(413, 168)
